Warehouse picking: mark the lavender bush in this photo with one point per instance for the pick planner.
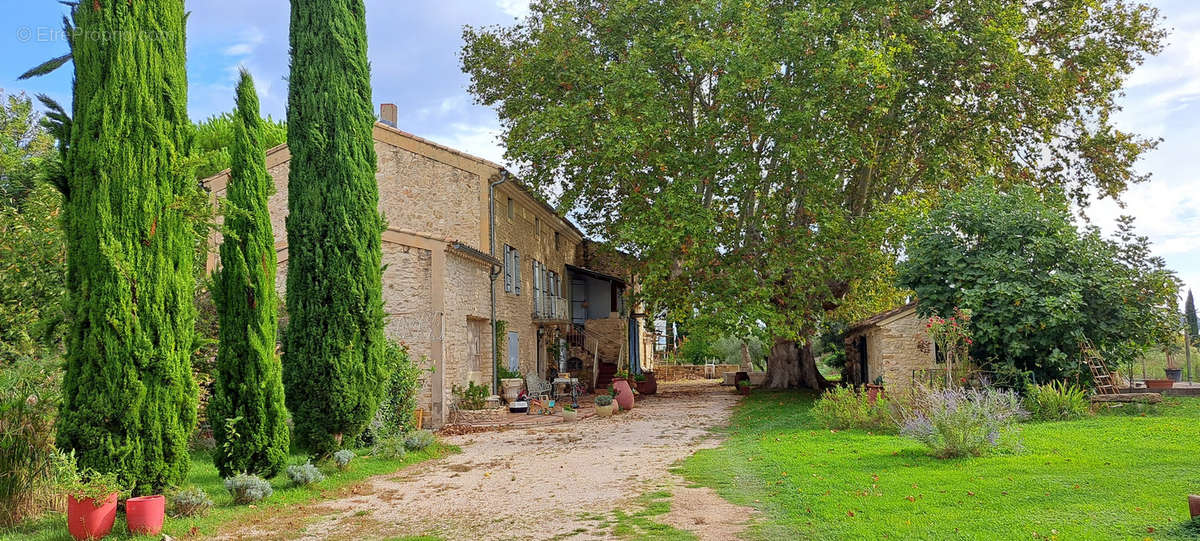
(962, 422)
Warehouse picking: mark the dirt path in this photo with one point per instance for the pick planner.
(557, 482)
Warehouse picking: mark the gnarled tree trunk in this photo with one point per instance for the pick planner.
(790, 366)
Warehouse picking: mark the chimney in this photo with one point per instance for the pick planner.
(388, 113)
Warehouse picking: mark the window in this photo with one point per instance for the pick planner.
(512, 270)
(557, 241)
(512, 209)
(537, 227)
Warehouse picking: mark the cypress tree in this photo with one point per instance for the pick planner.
(332, 367)
(129, 397)
(1189, 316)
(247, 410)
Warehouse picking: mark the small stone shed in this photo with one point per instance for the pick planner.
(888, 344)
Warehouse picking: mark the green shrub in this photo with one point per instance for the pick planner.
(845, 407)
(391, 447)
(342, 458)
(957, 422)
(397, 409)
(604, 400)
(473, 397)
(304, 474)
(190, 502)
(417, 440)
(246, 488)
(1057, 401)
(29, 398)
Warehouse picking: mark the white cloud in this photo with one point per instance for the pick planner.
(516, 8)
(475, 139)
(248, 41)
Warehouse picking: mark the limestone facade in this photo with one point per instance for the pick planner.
(439, 260)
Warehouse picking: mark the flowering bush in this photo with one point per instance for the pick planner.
(845, 407)
(953, 339)
(960, 422)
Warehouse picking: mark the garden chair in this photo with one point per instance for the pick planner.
(537, 387)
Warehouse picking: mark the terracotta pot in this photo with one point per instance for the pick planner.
(1194, 505)
(624, 394)
(89, 519)
(744, 390)
(1159, 384)
(144, 514)
(647, 387)
(605, 411)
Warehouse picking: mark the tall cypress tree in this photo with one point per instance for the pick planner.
(1189, 316)
(332, 366)
(129, 397)
(247, 407)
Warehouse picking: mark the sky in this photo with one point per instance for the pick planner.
(414, 44)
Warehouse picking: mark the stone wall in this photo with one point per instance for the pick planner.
(893, 350)
(467, 303)
(521, 231)
(672, 372)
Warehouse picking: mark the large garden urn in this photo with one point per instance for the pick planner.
(511, 388)
(624, 394)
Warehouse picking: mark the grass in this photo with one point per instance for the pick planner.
(1112, 476)
(224, 515)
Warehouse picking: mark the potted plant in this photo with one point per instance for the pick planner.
(144, 514)
(92, 504)
(512, 387)
(874, 389)
(569, 413)
(604, 405)
(744, 387)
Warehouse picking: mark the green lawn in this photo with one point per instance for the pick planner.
(1113, 476)
(282, 506)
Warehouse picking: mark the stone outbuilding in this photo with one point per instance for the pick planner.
(892, 345)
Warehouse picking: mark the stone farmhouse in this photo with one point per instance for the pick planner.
(889, 345)
(468, 250)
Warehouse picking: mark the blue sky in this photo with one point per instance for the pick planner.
(414, 45)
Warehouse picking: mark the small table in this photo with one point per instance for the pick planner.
(573, 384)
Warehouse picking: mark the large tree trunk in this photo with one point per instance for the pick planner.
(790, 367)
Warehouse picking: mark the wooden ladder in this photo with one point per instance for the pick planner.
(1106, 383)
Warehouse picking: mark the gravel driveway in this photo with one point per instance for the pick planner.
(554, 482)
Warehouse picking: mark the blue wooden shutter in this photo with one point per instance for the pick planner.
(516, 255)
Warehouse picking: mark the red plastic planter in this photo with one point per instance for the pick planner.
(144, 514)
(88, 519)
